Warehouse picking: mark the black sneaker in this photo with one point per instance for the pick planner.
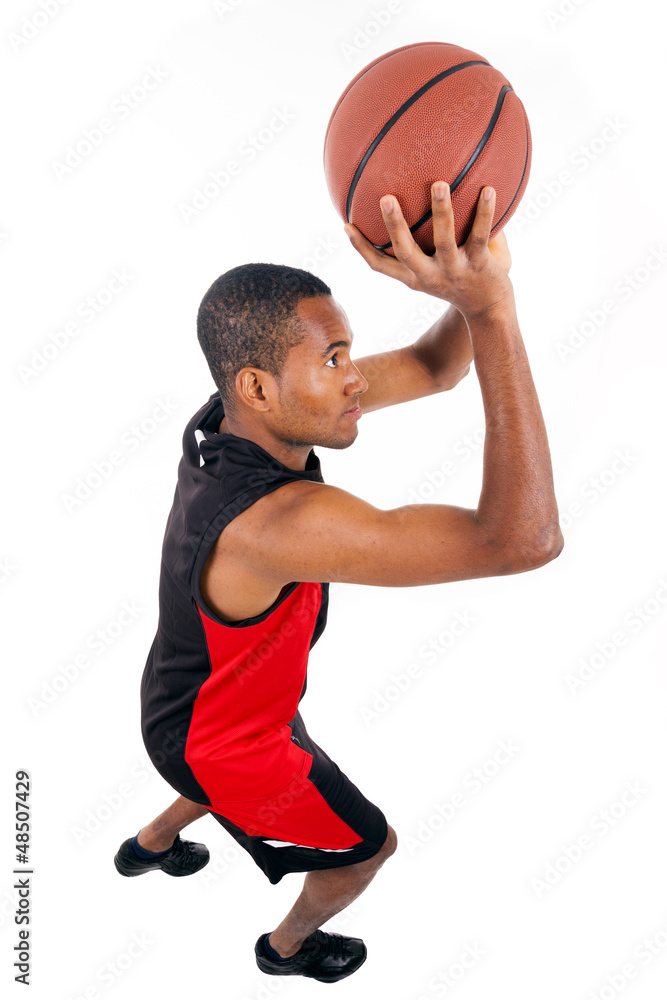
(324, 957)
(183, 858)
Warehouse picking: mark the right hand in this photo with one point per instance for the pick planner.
(469, 277)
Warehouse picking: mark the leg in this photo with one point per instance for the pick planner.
(161, 833)
(324, 894)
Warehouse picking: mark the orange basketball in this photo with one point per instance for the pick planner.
(422, 113)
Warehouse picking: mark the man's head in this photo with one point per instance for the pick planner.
(277, 345)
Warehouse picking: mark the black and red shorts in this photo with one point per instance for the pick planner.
(319, 820)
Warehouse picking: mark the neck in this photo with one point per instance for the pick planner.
(294, 457)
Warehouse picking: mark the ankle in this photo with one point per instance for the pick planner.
(284, 947)
(152, 840)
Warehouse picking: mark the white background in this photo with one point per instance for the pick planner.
(480, 879)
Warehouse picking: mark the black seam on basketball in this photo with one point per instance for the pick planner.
(525, 166)
(394, 118)
(360, 75)
(475, 155)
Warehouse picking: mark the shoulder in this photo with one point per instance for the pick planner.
(283, 502)
(297, 516)
(240, 579)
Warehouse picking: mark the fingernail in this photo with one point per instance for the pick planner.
(387, 205)
(488, 192)
(439, 191)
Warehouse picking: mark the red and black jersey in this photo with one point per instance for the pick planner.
(215, 694)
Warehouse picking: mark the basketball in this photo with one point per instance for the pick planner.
(421, 113)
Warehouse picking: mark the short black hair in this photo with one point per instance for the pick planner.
(248, 317)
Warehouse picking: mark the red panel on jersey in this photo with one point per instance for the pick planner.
(239, 730)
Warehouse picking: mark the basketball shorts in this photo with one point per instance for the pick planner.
(320, 820)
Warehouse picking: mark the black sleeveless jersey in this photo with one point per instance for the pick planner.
(218, 693)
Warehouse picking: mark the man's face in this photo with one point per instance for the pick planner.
(319, 385)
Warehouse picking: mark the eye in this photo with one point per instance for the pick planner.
(333, 358)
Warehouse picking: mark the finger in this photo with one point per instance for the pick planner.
(444, 237)
(402, 241)
(478, 239)
(375, 258)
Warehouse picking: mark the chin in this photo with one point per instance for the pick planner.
(338, 442)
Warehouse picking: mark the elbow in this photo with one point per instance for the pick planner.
(541, 549)
(451, 379)
(519, 554)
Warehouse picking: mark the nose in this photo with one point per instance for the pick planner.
(356, 383)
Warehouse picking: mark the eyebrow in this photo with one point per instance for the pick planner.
(336, 343)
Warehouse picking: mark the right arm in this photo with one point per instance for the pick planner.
(314, 532)
(517, 504)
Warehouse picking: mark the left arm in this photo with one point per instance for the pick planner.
(439, 359)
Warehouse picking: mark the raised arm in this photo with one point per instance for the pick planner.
(310, 531)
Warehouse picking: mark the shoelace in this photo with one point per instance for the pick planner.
(330, 944)
(184, 849)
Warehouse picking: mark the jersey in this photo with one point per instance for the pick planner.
(216, 695)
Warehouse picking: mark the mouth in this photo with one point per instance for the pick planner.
(354, 413)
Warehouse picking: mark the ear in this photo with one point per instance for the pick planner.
(256, 389)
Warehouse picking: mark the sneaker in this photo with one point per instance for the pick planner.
(324, 957)
(183, 858)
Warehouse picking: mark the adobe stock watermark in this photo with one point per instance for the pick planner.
(600, 825)
(130, 441)
(598, 486)
(415, 160)
(7, 569)
(643, 954)
(116, 968)
(86, 311)
(340, 920)
(324, 248)
(579, 161)
(219, 865)
(95, 644)
(365, 33)
(634, 621)
(566, 8)
(305, 607)
(468, 445)
(121, 108)
(33, 24)
(418, 322)
(430, 653)
(222, 7)
(443, 982)
(471, 784)
(110, 802)
(624, 289)
(274, 809)
(268, 988)
(248, 150)
(7, 907)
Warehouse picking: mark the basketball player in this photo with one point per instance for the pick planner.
(254, 531)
